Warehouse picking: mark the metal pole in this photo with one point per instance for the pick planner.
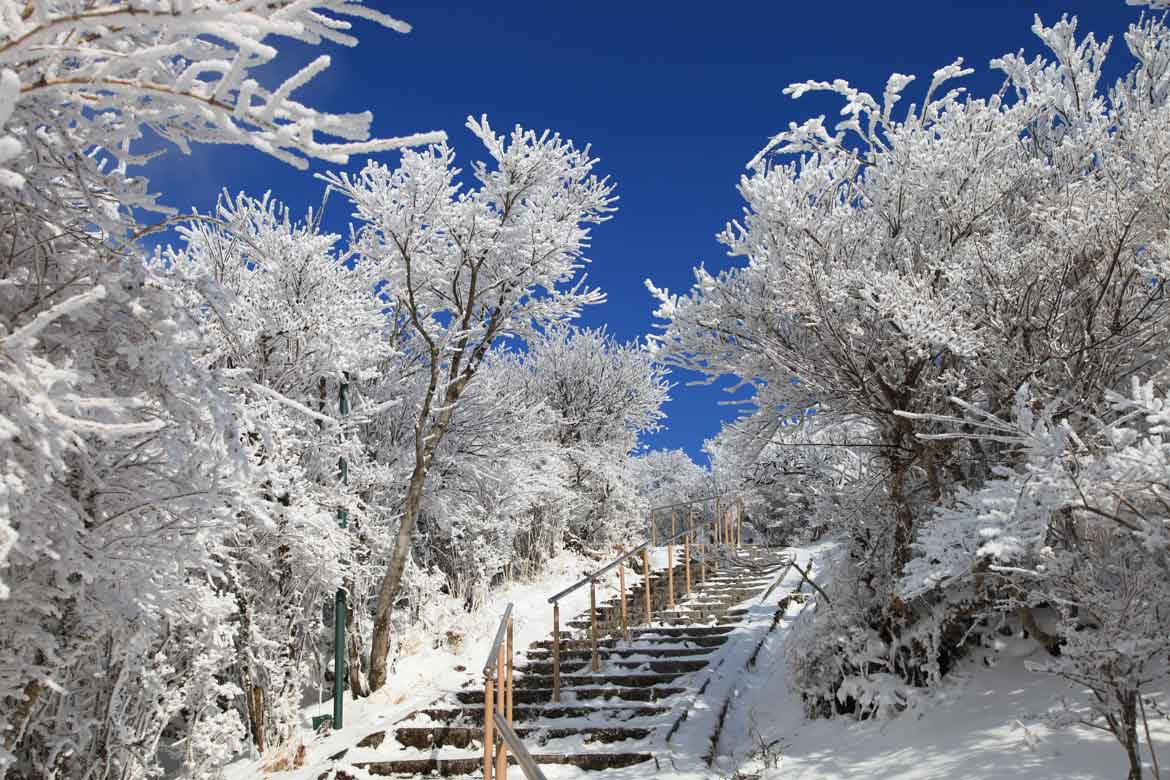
(339, 607)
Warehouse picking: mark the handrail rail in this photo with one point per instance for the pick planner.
(489, 668)
(527, 763)
(626, 556)
(688, 503)
(608, 567)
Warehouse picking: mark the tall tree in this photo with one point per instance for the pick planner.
(467, 267)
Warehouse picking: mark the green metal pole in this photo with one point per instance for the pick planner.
(339, 612)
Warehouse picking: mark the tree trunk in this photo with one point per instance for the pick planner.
(257, 716)
(32, 692)
(353, 650)
(392, 580)
(903, 517)
(1130, 736)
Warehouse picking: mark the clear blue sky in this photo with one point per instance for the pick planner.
(674, 96)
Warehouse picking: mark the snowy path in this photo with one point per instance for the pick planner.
(618, 716)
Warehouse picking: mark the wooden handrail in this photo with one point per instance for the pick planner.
(501, 632)
(626, 556)
(685, 503)
(497, 680)
(604, 570)
(724, 526)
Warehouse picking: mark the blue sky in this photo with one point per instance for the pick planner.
(675, 98)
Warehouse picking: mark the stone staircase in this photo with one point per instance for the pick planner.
(614, 717)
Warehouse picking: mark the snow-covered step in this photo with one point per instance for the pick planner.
(466, 764)
(605, 677)
(425, 738)
(627, 651)
(581, 664)
(521, 714)
(658, 640)
(568, 694)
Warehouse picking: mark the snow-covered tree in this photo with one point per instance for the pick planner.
(465, 267)
(287, 324)
(961, 247)
(604, 395)
(666, 477)
(124, 460)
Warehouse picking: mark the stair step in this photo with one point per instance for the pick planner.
(683, 631)
(610, 713)
(427, 738)
(540, 655)
(542, 695)
(580, 664)
(465, 765)
(697, 641)
(602, 678)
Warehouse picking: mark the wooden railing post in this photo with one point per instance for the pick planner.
(511, 656)
(501, 693)
(687, 558)
(739, 517)
(622, 588)
(702, 561)
(489, 741)
(593, 623)
(670, 573)
(733, 518)
(556, 697)
(718, 522)
(646, 582)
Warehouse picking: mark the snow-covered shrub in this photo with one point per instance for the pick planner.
(1114, 605)
(1080, 525)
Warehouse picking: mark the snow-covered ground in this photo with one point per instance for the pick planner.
(984, 723)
